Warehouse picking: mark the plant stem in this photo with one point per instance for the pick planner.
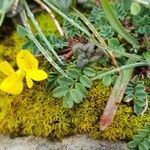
(91, 27)
(129, 66)
(2, 16)
(67, 18)
(128, 55)
(116, 96)
(30, 14)
(36, 42)
(15, 6)
(145, 2)
(52, 16)
(99, 38)
(97, 43)
(115, 23)
(90, 37)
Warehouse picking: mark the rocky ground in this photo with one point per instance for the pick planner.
(80, 142)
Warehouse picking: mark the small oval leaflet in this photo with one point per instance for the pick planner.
(107, 80)
(65, 81)
(73, 73)
(60, 91)
(22, 31)
(68, 101)
(86, 81)
(81, 89)
(76, 95)
(135, 8)
(90, 72)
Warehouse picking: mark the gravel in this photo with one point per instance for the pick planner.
(80, 142)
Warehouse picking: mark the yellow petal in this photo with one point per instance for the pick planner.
(20, 73)
(12, 85)
(26, 61)
(37, 75)
(29, 81)
(6, 68)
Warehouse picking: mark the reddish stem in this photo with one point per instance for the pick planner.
(68, 55)
(97, 2)
(115, 98)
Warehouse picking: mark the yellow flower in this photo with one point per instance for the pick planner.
(13, 83)
(28, 67)
(29, 64)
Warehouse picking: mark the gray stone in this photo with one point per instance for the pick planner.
(80, 142)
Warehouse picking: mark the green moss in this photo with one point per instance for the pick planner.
(45, 22)
(125, 124)
(35, 112)
(10, 47)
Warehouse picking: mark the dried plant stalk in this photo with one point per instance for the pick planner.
(15, 6)
(115, 97)
(52, 16)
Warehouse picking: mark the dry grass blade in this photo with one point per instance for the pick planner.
(52, 16)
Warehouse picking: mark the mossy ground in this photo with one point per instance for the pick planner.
(36, 112)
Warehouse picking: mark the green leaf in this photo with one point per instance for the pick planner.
(146, 55)
(126, 4)
(106, 31)
(135, 8)
(137, 109)
(142, 147)
(130, 84)
(22, 31)
(73, 73)
(107, 80)
(132, 144)
(139, 82)
(141, 141)
(5, 7)
(81, 89)
(138, 139)
(90, 72)
(60, 91)
(115, 23)
(52, 79)
(68, 101)
(139, 88)
(129, 91)
(147, 126)
(65, 4)
(113, 42)
(65, 81)
(85, 81)
(128, 98)
(143, 133)
(76, 95)
(141, 95)
(139, 102)
(114, 78)
(147, 142)
(130, 88)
